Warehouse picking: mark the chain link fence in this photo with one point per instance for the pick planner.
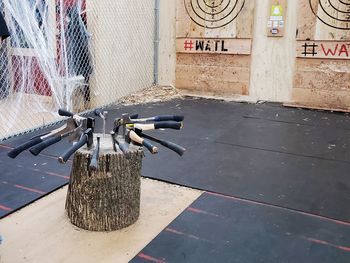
(72, 54)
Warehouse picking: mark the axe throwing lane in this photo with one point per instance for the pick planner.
(283, 171)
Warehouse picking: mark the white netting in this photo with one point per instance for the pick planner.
(75, 54)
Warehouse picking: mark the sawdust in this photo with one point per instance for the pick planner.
(152, 94)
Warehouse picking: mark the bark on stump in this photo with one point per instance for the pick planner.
(108, 199)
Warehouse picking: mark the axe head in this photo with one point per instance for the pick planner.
(85, 123)
(74, 137)
(91, 123)
(121, 122)
(117, 124)
(90, 138)
(69, 125)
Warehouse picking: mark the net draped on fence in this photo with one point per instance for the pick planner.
(72, 54)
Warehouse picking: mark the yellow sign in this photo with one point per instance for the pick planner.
(276, 10)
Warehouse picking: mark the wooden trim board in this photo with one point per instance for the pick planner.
(323, 49)
(214, 46)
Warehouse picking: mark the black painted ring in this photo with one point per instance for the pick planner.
(200, 20)
(319, 2)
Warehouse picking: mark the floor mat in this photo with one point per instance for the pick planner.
(27, 178)
(283, 156)
(217, 228)
(287, 157)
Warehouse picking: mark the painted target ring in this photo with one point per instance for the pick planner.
(333, 13)
(214, 14)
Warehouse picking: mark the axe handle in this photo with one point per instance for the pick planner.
(73, 149)
(36, 149)
(159, 125)
(168, 125)
(16, 151)
(63, 112)
(160, 118)
(113, 140)
(169, 118)
(51, 133)
(94, 159)
(172, 146)
(134, 137)
(98, 113)
(124, 147)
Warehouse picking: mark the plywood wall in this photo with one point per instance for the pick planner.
(322, 71)
(213, 45)
(167, 47)
(273, 58)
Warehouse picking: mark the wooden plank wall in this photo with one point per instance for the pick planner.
(322, 71)
(217, 70)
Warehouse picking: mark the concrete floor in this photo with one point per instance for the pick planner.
(41, 232)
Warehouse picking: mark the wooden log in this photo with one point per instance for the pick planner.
(109, 198)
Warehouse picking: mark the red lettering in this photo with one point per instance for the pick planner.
(326, 52)
(343, 49)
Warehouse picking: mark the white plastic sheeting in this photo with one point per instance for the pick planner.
(61, 54)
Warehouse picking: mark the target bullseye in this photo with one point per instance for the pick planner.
(326, 12)
(213, 14)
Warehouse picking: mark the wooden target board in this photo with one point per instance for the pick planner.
(215, 18)
(324, 20)
(206, 32)
(213, 14)
(322, 72)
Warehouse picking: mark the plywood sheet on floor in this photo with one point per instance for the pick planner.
(42, 232)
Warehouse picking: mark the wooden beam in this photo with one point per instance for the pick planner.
(323, 49)
(217, 46)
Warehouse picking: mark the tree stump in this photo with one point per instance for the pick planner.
(109, 198)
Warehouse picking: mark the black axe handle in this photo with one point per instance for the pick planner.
(159, 118)
(124, 147)
(98, 113)
(94, 159)
(172, 146)
(112, 133)
(36, 149)
(168, 125)
(136, 138)
(63, 112)
(16, 151)
(169, 118)
(64, 158)
(158, 125)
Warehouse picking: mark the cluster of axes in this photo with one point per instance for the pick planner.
(80, 130)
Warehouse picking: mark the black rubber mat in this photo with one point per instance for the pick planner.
(304, 183)
(218, 228)
(288, 157)
(326, 142)
(27, 178)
